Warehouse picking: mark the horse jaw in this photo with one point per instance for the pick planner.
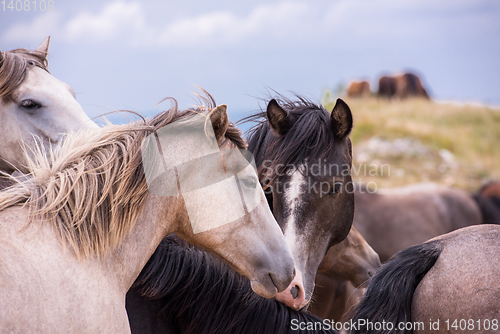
(252, 245)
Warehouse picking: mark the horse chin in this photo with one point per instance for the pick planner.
(265, 287)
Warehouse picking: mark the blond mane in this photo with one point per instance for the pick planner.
(14, 66)
(92, 187)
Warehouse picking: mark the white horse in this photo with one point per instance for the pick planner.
(33, 106)
(74, 237)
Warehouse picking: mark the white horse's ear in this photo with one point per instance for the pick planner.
(44, 47)
(220, 120)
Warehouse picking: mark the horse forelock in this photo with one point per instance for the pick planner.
(92, 186)
(14, 66)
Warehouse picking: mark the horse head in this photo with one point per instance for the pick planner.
(304, 158)
(34, 106)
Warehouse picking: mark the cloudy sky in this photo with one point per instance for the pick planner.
(131, 54)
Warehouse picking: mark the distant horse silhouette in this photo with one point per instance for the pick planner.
(401, 86)
(74, 237)
(345, 268)
(393, 219)
(183, 290)
(33, 106)
(452, 279)
(359, 89)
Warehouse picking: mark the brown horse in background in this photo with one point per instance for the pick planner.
(346, 267)
(449, 282)
(401, 86)
(393, 219)
(488, 199)
(491, 189)
(359, 89)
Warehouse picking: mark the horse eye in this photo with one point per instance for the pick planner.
(337, 187)
(249, 182)
(30, 104)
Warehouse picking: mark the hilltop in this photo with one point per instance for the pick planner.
(416, 140)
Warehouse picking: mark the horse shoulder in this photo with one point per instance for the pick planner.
(47, 287)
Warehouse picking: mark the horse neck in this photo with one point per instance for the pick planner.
(160, 216)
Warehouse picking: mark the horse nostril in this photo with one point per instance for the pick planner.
(294, 291)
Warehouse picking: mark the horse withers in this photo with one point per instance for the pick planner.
(34, 106)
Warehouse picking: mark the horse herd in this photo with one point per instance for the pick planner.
(400, 86)
(90, 240)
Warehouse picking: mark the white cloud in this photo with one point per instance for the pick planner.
(114, 19)
(224, 27)
(35, 31)
(344, 22)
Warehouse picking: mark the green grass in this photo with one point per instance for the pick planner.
(471, 133)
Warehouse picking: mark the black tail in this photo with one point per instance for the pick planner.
(490, 208)
(390, 292)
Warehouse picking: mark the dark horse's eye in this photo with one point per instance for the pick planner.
(30, 105)
(337, 187)
(249, 182)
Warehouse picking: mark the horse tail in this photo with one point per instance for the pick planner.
(490, 208)
(390, 292)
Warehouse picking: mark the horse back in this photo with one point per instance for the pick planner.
(463, 283)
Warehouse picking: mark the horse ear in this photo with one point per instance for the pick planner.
(220, 120)
(341, 119)
(278, 118)
(44, 47)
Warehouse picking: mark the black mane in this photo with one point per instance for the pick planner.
(197, 293)
(310, 137)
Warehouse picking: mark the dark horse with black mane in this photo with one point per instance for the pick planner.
(296, 145)
(304, 157)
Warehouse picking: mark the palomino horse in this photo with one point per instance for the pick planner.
(33, 106)
(303, 154)
(346, 267)
(74, 236)
(393, 219)
(183, 290)
(446, 285)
